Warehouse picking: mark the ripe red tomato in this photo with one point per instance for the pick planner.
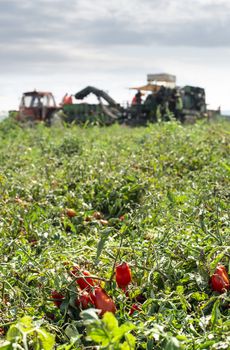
(102, 301)
(83, 300)
(70, 212)
(220, 279)
(57, 298)
(123, 275)
(84, 283)
(134, 307)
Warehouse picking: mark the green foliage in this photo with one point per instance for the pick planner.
(26, 335)
(163, 197)
(108, 333)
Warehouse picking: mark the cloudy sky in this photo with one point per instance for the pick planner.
(62, 46)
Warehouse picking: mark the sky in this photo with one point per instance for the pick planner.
(63, 46)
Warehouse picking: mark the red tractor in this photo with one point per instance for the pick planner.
(37, 106)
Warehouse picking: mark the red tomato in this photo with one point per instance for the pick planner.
(134, 307)
(57, 297)
(123, 275)
(220, 280)
(83, 300)
(70, 212)
(84, 283)
(102, 301)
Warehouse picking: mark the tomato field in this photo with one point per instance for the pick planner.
(115, 238)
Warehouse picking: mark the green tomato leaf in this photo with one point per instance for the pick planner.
(13, 334)
(89, 316)
(173, 344)
(216, 314)
(104, 237)
(99, 335)
(110, 322)
(131, 340)
(122, 331)
(47, 339)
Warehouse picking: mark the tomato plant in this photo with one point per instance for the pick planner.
(163, 194)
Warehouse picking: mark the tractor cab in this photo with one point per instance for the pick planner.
(36, 106)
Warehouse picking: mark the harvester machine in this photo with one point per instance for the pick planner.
(162, 102)
(165, 101)
(106, 112)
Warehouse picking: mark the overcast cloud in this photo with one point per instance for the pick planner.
(59, 45)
